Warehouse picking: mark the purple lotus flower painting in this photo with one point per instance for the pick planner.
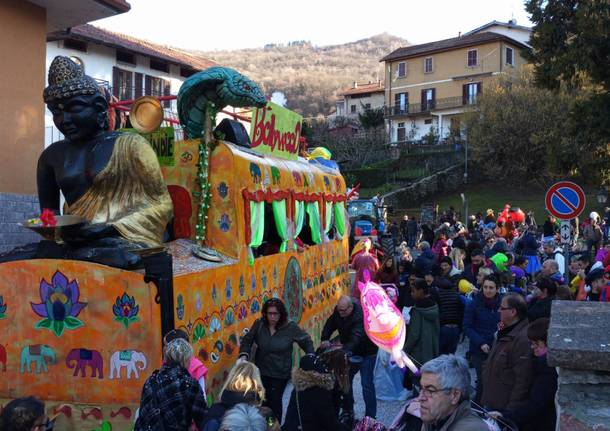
(125, 310)
(3, 308)
(59, 306)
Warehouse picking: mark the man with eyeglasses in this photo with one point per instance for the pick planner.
(508, 370)
(444, 399)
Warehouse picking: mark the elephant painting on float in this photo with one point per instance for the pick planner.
(129, 359)
(79, 359)
(40, 354)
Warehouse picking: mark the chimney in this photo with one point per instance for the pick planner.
(459, 34)
(355, 84)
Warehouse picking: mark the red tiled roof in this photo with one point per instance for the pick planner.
(89, 33)
(374, 87)
(448, 44)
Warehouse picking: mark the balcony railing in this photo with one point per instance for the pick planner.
(426, 107)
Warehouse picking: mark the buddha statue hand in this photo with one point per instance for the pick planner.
(89, 232)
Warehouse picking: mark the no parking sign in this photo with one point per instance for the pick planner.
(565, 200)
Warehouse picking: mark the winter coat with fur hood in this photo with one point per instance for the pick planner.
(315, 393)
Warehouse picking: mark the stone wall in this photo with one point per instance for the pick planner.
(449, 179)
(579, 346)
(14, 209)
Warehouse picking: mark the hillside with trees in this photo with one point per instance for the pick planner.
(311, 76)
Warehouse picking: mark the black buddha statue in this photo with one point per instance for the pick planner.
(111, 179)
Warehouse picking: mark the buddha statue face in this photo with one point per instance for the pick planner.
(78, 107)
(80, 117)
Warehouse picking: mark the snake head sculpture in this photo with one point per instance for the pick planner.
(220, 86)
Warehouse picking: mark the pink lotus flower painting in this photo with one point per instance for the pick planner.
(59, 306)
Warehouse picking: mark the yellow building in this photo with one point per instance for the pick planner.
(429, 86)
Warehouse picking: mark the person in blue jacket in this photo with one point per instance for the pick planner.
(481, 318)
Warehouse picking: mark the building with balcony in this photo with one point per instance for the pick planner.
(429, 86)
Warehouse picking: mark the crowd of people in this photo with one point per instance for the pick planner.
(483, 281)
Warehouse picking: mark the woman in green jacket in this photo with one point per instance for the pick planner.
(274, 336)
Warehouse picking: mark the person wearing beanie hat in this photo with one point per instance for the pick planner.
(597, 279)
(311, 406)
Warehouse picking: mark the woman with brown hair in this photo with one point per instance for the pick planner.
(274, 336)
(388, 273)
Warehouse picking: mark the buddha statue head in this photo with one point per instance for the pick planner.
(79, 109)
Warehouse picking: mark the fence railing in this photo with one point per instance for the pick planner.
(426, 107)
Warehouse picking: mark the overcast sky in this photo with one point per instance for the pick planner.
(229, 24)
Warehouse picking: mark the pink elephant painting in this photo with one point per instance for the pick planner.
(79, 359)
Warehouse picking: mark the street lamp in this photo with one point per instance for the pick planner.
(602, 196)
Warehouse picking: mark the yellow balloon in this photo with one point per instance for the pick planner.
(320, 152)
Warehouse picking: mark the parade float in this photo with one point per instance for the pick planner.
(196, 239)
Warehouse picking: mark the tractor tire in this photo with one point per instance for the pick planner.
(387, 245)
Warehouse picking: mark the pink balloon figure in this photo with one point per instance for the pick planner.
(383, 322)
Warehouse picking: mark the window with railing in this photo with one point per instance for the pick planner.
(428, 99)
(401, 103)
(122, 84)
(470, 93)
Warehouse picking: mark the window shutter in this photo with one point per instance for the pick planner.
(433, 104)
(138, 85)
(147, 85)
(129, 86)
(479, 88)
(465, 94)
(423, 100)
(166, 92)
(115, 82)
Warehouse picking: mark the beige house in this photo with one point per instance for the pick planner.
(429, 86)
(360, 97)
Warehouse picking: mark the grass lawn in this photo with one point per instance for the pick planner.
(482, 196)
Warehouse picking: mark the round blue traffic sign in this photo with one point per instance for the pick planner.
(565, 200)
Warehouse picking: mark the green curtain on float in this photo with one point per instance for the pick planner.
(281, 222)
(313, 211)
(328, 218)
(257, 227)
(339, 218)
(299, 218)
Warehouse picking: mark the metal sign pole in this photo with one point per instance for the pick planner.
(566, 240)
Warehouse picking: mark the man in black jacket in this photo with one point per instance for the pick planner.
(347, 320)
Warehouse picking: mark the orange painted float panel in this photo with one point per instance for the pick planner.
(79, 334)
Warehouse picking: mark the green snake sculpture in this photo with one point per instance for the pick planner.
(200, 98)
